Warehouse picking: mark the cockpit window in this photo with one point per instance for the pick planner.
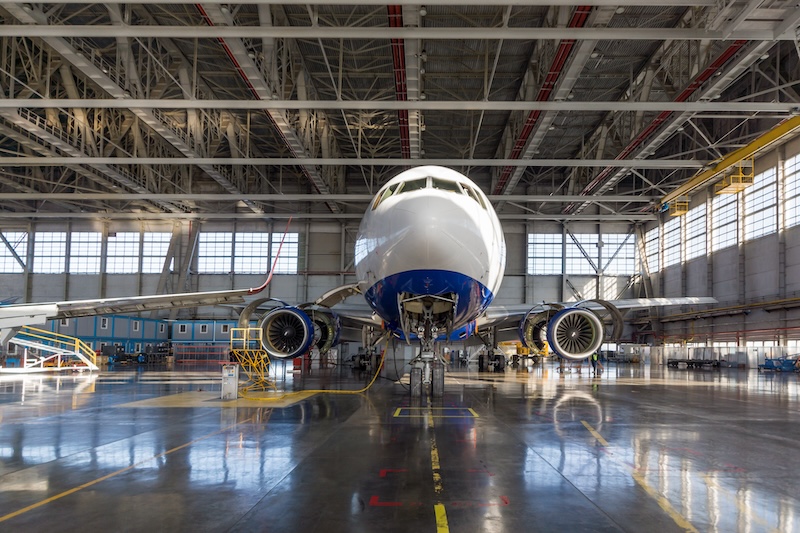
(413, 185)
(473, 194)
(387, 192)
(444, 185)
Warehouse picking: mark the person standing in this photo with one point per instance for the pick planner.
(596, 364)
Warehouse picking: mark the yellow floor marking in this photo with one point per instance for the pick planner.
(595, 434)
(212, 399)
(118, 472)
(662, 501)
(438, 487)
(441, 519)
(744, 509)
(429, 412)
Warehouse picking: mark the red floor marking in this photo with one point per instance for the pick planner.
(387, 470)
(476, 471)
(375, 502)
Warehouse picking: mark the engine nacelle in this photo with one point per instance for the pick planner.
(286, 332)
(533, 328)
(327, 327)
(575, 333)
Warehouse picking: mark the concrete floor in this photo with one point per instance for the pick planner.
(530, 450)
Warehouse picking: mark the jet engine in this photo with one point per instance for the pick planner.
(288, 331)
(572, 332)
(575, 333)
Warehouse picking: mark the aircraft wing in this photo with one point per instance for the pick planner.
(573, 330)
(16, 315)
(496, 314)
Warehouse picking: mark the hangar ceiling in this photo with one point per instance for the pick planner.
(265, 109)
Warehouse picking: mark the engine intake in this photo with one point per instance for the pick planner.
(286, 332)
(575, 333)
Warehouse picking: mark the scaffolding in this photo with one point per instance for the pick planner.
(247, 350)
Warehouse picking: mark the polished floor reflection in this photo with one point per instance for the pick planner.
(531, 449)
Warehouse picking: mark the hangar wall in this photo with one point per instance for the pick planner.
(756, 282)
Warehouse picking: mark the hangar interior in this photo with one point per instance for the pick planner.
(629, 150)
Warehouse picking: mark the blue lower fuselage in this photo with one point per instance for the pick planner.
(472, 297)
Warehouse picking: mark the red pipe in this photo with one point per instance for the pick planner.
(664, 115)
(400, 85)
(578, 20)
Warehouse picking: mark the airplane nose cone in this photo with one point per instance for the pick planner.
(438, 233)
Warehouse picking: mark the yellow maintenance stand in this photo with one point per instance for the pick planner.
(247, 349)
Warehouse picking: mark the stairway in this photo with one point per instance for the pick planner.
(47, 351)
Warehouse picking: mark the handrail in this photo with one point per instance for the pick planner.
(63, 341)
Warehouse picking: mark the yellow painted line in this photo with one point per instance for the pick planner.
(744, 509)
(416, 412)
(438, 486)
(114, 474)
(681, 521)
(441, 519)
(678, 518)
(193, 399)
(595, 434)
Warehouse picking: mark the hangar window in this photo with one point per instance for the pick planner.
(136, 325)
(672, 242)
(724, 218)
(577, 248)
(123, 253)
(288, 260)
(13, 252)
(544, 253)
(791, 173)
(651, 245)
(760, 206)
(203, 328)
(103, 323)
(182, 328)
(155, 246)
(695, 232)
(84, 253)
(49, 252)
(214, 252)
(619, 254)
(250, 253)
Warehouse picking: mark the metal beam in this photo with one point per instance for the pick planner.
(632, 217)
(384, 33)
(399, 162)
(213, 197)
(481, 3)
(391, 105)
(781, 131)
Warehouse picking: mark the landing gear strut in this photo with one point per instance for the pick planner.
(427, 371)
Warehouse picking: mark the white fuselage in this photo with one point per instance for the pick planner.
(430, 230)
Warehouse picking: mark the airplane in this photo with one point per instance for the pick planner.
(429, 258)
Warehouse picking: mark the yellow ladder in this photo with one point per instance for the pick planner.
(246, 347)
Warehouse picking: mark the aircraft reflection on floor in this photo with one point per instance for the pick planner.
(633, 449)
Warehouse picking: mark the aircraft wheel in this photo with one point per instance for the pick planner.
(437, 380)
(416, 381)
